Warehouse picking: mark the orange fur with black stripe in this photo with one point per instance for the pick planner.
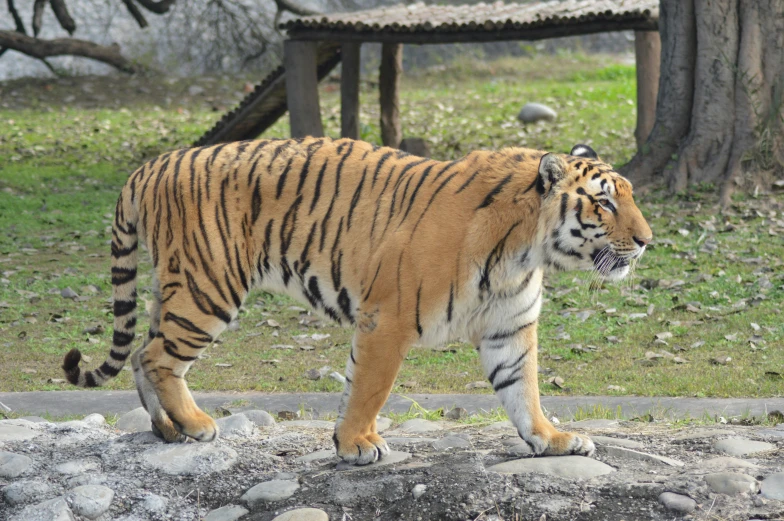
(408, 250)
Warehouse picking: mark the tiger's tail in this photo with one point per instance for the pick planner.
(124, 263)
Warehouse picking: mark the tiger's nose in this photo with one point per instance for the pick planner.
(642, 241)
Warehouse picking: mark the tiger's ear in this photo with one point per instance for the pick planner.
(583, 151)
(552, 169)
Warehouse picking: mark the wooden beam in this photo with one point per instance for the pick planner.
(647, 51)
(349, 90)
(389, 93)
(300, 61)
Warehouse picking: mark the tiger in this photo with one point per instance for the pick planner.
(407, 250)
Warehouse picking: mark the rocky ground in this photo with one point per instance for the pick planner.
(263, 469)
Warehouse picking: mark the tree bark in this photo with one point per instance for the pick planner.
(389, 93)
(647, 52)
(42, 49)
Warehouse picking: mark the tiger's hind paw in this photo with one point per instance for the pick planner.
(361, 449)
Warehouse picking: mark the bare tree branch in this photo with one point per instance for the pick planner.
(289, 5)
(136, 13)
(38, 14)
(159, 7)
(42, 49)
(63, 16)
(17, 19)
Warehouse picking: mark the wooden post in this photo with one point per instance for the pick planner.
(647, 52)
(349, 90)
(389, 93)
(300, 62)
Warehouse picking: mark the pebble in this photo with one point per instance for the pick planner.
(772, 487)
(418, 490)
(303, 514)
(621, 452)
(677, 502)
(578, 467)
(731, 483)
(137, 420)
(77, 466)
(236, 425)
(390, 459)
(53, 510)
(22, 492)
(13, 465)
(616, 442)
(187, 459)
(16, 433)
(310, 424)
(155, 504)
(275, 490)
(741, 446)
(227, 513)
(533, 112)
(94, 420)
(260, 418)
(451, 442)
(418, 425)
(383, 424)
(457, 413)
(90, 501)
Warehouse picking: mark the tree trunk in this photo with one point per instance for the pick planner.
(719, 110)
(647, 52)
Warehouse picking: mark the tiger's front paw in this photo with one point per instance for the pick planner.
(565, 443)
(360, 449)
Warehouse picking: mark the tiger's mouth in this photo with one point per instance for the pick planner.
(607, 262)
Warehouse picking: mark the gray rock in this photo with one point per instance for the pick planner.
(677, 502)
(227, 513)
(22, 492)
(303, 514)
(722, 463)
(383, 424)
(418, 490)
(390, 459)
(451, 442)
(260, 418)
(16, 433)
(731, 483)
(592, 424)
(13, 465)
(137, 420)
(94, 420)
(316, 456)
(34, 419)
(90, 501)
(90, 478)
(699, 434)
(517, 447)
(498, 427)
(456, 413)
(53, 510)
(394, 440)
(155, 504)
(187, 459)
(772, 486)
(772, 433)
(236, 425)
(533, 112)
(576, 467)
(629, 454)
(603, 441)
(418, 425)
(310, 424)
(77, 466)
(270, 491)
(741, 446)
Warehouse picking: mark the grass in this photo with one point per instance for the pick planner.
(714, 282)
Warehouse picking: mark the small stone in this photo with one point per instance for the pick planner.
(287, 415)
(772, 486)
(270, 491)
(21, 492)
(73, 467)
(629, 454)
(260, 418)
(227, 513)
(383, 424)
(90, 501)
(418, 490)
(390, 459)
(303, 514)
(533, 112)
(577, 467)
(94, 420)
(451, 442)
(236, 425)
(731, 483)
(310, 424)
(616, 442)
(188, 459)
(456, 413)
(741, 446)
(13, 465)
(316, 456)
(339, 378)
(137, 420)
(16, 433)
(69, 293)
(418, 425)
(677, 502)
(155, 504)
(312, 374)
(53, 510)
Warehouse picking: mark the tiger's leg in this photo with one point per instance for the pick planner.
(184, 332)
(509, 358)
(370, 373)
(162, 426)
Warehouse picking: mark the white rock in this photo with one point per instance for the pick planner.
(70, 468)
(53, 510)
(155, 504)
(227, 513)
(303, 514)
(90, 501)
(578, 467)
(741, 446)
(22, 492)
(236, 425)
(137, 420)
(16, 433)
(731, 483)
(270, 491)
(677, 502)
(13, 465)
(418, 490)
(418, 425)
(533, 112)
(260, 418)
(94, 420)
(772, 486)
(187, 459)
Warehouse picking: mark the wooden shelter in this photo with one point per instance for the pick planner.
(316, 44)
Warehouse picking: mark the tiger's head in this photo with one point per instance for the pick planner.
(588, 218)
